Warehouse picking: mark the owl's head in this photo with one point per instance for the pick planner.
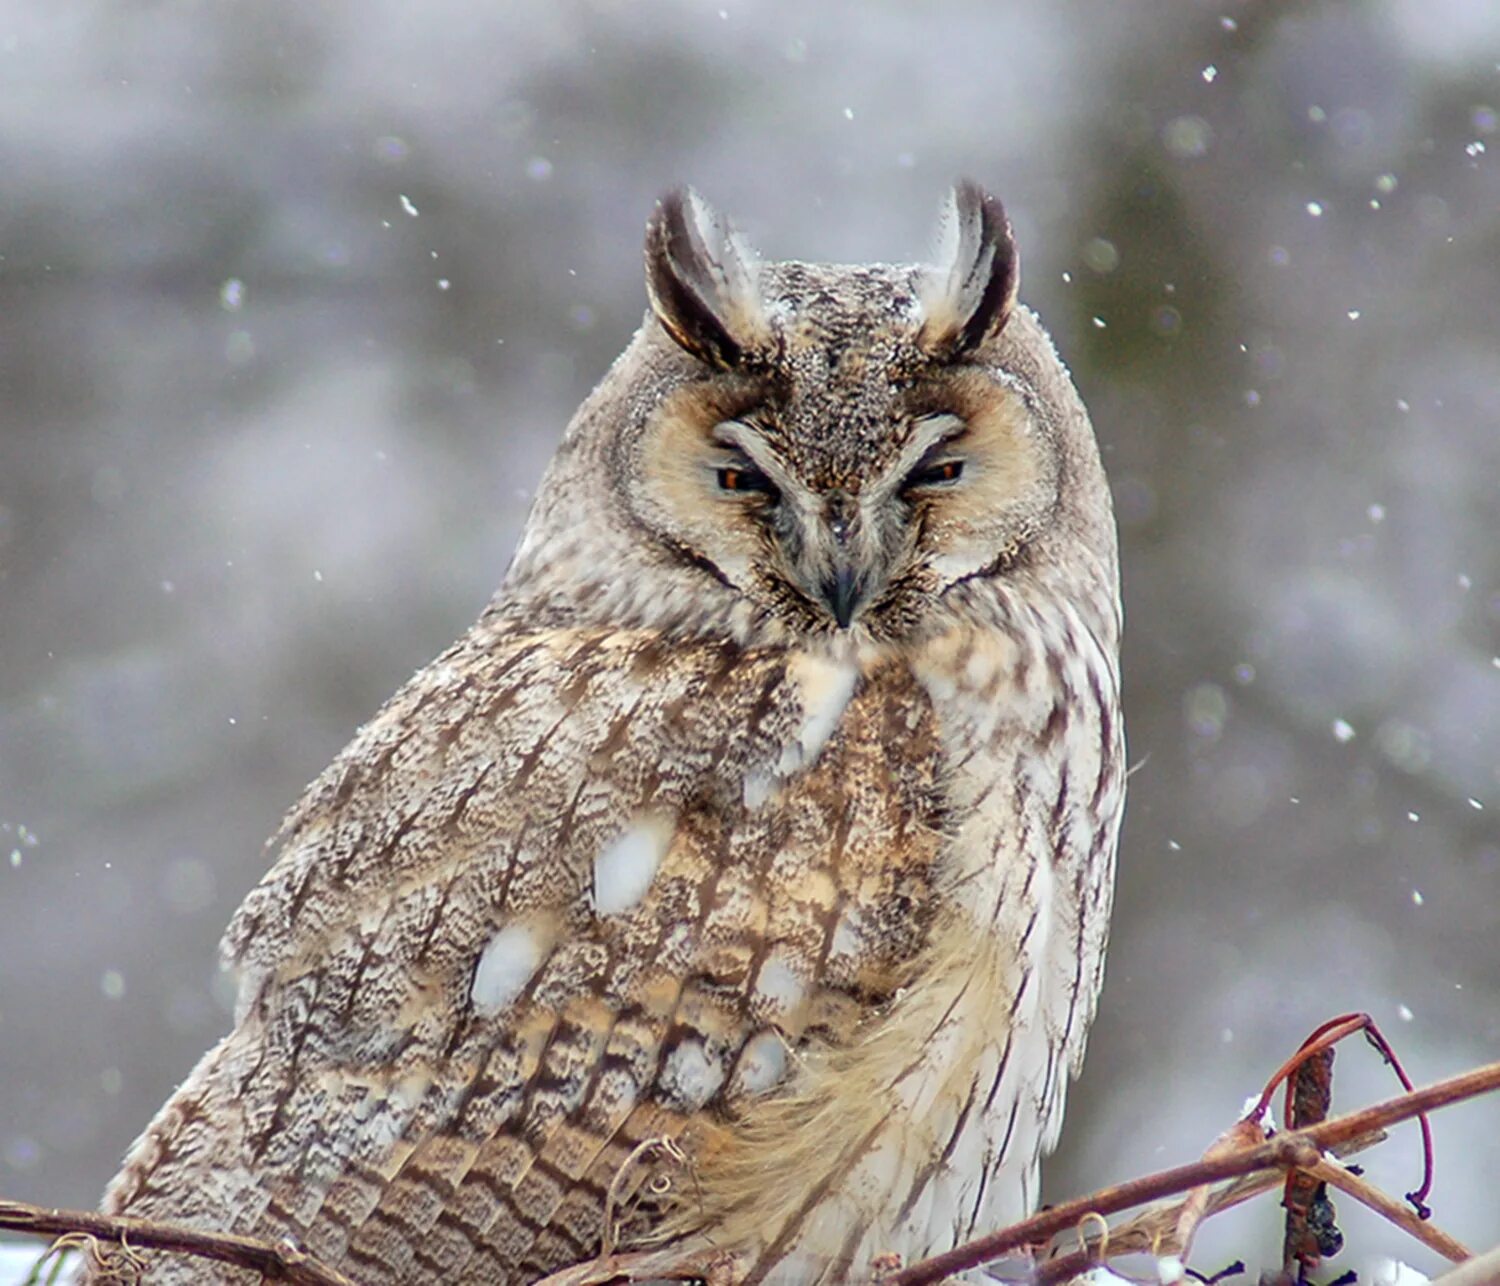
(797, 450)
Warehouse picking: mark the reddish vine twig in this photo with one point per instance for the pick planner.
(1325, 1037)
(1298, 1148)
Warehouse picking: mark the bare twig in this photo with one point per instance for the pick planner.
(1362, 1190)
(280, 1262)
(1244, 1133)
(1158, 1228)
(1150, 1229)
(1279, 1153)
(1301, 1149)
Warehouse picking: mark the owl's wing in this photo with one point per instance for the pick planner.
(566, 892)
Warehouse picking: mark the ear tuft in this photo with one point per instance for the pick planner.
(703, 280)
(970, 291)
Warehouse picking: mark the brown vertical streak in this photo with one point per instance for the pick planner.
(1107, 751)
(1026, 935)
(1057, 723)
(532, 757)
(928, 1171)
(984, 1185)
(1059, 823)
(917, 1063)
(564, 822)
(1048, 1073)
(576, 685)
(253, 1075)
(366, 955)
(1021, 669)
(452, 727)
(989, 1103)
(842, 826)
(1015, 1001)
(730, 657)
(289, 1083)
(1023, 843)
(1056, 669)
(618, 736)
(435, 919)
(843, 1261)
(1010, 1125)
(337, 870)
(518, 657)
(466, 796)
(828, 928)
(764, 699)
(1076, 990)
(502, 896)
(811, 1199)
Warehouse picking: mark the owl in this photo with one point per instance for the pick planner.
(734, 894)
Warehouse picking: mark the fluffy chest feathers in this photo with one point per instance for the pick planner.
(926, 1125)
(574, 893)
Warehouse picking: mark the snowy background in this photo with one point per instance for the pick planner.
(295, 300)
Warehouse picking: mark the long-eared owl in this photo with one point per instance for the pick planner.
(735, 891)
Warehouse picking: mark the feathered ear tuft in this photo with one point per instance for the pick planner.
(703, 280)
(970, 291)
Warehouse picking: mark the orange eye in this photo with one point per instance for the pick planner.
(742, 478)
(934, 474)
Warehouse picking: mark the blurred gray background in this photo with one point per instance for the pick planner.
(295, 300)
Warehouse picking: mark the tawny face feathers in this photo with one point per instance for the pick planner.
(738, 885)
(850, 448)
(799, 451)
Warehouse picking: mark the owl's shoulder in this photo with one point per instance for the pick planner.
(490, 732)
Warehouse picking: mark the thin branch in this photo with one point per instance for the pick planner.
(1455, 1089)
(1300, 1149)
(1157, 1228)
(1336, 1176)
(1279, 1153)
(279, 1262)
(1244, 1133)
(1148, 1230)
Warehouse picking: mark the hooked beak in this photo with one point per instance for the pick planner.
(843, 595)
(843, 592)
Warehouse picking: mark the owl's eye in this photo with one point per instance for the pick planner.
(933, 474)
(745, 478)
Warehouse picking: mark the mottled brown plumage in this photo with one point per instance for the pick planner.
(740, 882)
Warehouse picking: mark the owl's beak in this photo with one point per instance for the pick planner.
(844, 591)
(843, 595)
